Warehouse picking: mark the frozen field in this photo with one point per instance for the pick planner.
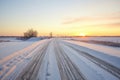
(58, 59)
(110, 39)
(12, 45)
(107, 41)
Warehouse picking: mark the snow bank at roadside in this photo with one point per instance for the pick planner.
(13, 45)
(101, 52)
(88, 68)
(34, 39)
(13, 64)
(7, 48)
(101, 48)
(9, 39)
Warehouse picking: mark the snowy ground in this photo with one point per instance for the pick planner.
(59, 59)
(110, 39)
(14, 45)
(114, 51)
(10, 39)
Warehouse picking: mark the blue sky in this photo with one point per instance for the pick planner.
(49, 15)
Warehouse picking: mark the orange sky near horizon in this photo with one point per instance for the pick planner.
(62, 18)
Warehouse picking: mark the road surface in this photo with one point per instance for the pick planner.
(60, 60)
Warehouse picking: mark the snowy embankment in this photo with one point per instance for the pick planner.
(8, 39)
(114, 51)
(87, 67)
(14, 54)
(7, 48)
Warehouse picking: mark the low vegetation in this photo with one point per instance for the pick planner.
(30, 33)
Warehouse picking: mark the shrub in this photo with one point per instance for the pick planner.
(30, 33)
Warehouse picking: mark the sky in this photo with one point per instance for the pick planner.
(61, 17)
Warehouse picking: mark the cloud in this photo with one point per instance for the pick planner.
(90, 19)
(74, 20)
(101, 25)
(110, 25)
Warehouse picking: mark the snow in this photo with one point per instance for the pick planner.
(110, 39)
(82, 66)
(97, 50)
(114, 51)
(92, 71)
(52, 66)
(7, 48)
(11, 39)
(49, 66)
(13, 64)
(16, 56)
(34, 39)
(14, 45)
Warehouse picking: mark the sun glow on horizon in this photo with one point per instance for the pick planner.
(82, 34)
(98, 18)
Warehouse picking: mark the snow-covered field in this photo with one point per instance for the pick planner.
(58, 59)
(10, 39)
(13, 45)
(110, 39)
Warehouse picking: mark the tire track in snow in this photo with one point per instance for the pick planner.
(49, 68)
(31, 70)
(16, 59)
(68, 70)
(103, 64)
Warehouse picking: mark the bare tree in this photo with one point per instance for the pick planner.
(30, 33)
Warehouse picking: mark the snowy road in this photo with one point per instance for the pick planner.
(103, 64)
(30, 72)
(56, 59)
(68, 70)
